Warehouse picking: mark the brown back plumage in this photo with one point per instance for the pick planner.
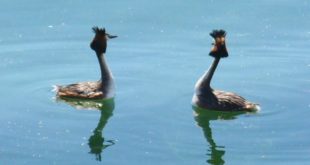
(87, 90)
(224, 101)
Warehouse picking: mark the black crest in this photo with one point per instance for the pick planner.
(218, 33)
(100, 31)
(99, 43)
(219, 49)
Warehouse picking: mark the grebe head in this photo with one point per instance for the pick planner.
(219, 49)
(99, 43)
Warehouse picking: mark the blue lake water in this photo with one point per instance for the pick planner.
(161, 51)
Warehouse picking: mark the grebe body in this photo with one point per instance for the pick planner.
(209, 98)
(104, 88)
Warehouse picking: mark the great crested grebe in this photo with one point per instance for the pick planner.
(104, 88)
(208, 98)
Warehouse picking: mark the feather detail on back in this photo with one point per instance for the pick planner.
(224, 101)
(88, 90)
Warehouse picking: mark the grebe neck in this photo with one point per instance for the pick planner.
(205, 80)
(106, 74)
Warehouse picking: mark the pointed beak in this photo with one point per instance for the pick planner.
(109, 36)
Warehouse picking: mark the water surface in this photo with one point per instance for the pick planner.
(160, 53)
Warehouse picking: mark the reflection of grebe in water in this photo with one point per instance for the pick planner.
(203, 118)
(206, 97)
(104, 88)
(96, 142)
